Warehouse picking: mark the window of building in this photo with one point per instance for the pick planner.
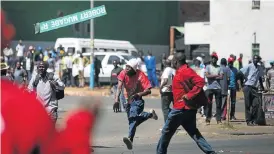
(256, 4)
(255, 49)
(112, 58)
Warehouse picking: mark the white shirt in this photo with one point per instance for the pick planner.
(20, 50)
(28, 65)
(168, 74)
(68, 62)
(8, 51)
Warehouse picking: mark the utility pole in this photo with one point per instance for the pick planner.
(91, 78)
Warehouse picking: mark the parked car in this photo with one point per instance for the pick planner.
(107, 59)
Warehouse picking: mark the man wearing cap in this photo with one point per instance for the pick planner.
(137, 85)
(166, 88)
(213, 74)
(253, 73)
(199, 69)
(182, 114)
(233, 79)
(270, 77)
(224, 84)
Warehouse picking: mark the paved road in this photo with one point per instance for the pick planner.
(258, 145)
(112, 127)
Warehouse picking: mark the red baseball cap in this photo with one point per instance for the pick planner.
(214, 54)
(230, 59)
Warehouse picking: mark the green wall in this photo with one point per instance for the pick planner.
(141, 22)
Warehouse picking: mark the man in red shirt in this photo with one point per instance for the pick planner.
(181, 114)
(137, 85)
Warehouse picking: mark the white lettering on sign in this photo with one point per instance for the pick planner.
(45, 26)
(64, 21)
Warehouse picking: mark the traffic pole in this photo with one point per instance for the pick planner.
(91, 77)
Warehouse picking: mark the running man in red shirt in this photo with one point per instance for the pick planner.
(181, 114)
(137, 85)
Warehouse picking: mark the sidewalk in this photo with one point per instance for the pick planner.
(235, 128)
(104, 91)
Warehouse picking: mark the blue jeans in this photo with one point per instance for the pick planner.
(151, 73)
(136, 116)
(187, 119)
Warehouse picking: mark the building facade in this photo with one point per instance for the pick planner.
(236, 27)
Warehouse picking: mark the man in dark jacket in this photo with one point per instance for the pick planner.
(114, 83)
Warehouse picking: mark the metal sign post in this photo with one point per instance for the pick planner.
(91, 76)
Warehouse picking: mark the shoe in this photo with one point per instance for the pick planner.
(223, 118)
(128, 143)
(250, 123)
(207, 122)
(233, 118)
(219, 122)
(154, 115)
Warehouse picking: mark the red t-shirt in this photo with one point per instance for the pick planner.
(135, 84)
(182, 74)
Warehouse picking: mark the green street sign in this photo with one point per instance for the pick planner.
(71, 19)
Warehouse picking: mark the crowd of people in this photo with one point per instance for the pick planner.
(189, 88)
(23, 62)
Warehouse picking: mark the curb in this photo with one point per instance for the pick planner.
(250, 133)
(228, 133)
(94, 93)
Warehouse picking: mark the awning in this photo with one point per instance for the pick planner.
(180, 29)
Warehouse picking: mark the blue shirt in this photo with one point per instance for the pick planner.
(252, 74)
(232, 80)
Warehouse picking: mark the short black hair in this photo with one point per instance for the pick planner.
(223, 61)
(180, 57)
(46, 64)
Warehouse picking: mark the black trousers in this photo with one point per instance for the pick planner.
(218, 97)
(166, 99)
(252, 103)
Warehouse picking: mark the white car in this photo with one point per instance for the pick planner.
(107, 59)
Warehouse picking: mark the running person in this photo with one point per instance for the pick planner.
(137, 85)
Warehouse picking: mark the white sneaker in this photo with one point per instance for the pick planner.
(154, 115)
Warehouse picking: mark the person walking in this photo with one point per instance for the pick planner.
(47, 85)
(166, 88)
(213, 74)
(253, 73)
(182, 114)
(97, 69)
(137, 85)
(150, 62)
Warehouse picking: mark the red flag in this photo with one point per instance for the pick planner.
(7, 31)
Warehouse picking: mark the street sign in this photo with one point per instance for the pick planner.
(71, 19)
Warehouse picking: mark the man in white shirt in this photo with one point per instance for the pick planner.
(166, 89)
(8, 52)
(20, 48)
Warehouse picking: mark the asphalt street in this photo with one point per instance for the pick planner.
(258, 145)
(112, 127)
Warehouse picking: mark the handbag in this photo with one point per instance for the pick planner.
(197, 101)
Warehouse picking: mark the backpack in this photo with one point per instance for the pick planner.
(59, 93)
